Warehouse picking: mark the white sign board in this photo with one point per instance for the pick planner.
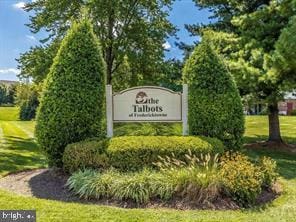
(147, 104)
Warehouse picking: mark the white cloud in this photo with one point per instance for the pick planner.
(19, 5)
(31, 38)
(166, 45)
(10, 71)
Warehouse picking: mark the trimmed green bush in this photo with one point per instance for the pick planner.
(241, 179)
(85, 154)
(71, 107)
(215, 107)
(135, 152)
(268, 169)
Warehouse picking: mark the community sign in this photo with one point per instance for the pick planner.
(147, 103)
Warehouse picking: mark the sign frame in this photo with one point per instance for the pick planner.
(110, 107)
(148, 87)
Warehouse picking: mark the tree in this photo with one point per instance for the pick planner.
(215, 107)
(285, 49)
(7, 93)
(135, 29)
(256, 27)
(72, 102)
(223, 11)
(171, 75)
(36, 62)
(2, 93)
(27, 98)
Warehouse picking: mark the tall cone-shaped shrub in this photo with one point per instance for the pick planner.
(71, 107)
(215, 107)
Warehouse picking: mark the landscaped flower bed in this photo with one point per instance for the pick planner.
(195, 181)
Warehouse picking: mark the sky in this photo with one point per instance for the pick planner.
(16, 38)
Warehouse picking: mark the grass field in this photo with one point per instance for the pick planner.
(19, 151)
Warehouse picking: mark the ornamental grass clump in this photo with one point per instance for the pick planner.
(194, 179)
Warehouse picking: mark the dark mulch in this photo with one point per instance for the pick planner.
(274, 146)
(50, 184)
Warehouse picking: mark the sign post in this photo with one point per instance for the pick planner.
(146, 104)
(109, 110)
(185, 109)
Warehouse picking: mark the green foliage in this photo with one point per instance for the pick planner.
(215, 107)
(7, 94)
(293, 113)
(36, 62)
(267, 167)
(285, 50)
(28, 101)
(147, 129)
(134, 187)
(133, 29)
(136, 152)
(171, 76)
(85, 154)
(260, 56)
(71, 107)
(144, 185)
(81, 183)
(133, 152)
(241, 178)
(196, 178)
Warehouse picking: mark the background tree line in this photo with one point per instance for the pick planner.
(256, 39)
(7, 94)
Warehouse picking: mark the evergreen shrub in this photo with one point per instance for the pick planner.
(215, 107)
(71, 107)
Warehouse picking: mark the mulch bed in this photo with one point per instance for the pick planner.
(50, 184)
(266, 145)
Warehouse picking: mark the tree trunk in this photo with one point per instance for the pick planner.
(274, 123)
(109, 50)
(109, 65)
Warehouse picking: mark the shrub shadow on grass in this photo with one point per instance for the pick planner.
(50, 184)
(286, 164)
(261, 138)
(19, 154)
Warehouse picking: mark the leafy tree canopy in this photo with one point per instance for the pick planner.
(255, 38)
(135, 29)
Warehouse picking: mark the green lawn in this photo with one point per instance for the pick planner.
(257, 128)
(8, 113)
(19, 151)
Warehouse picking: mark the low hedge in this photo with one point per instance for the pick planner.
(85, 154)
(130, 153)
(136, 152)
